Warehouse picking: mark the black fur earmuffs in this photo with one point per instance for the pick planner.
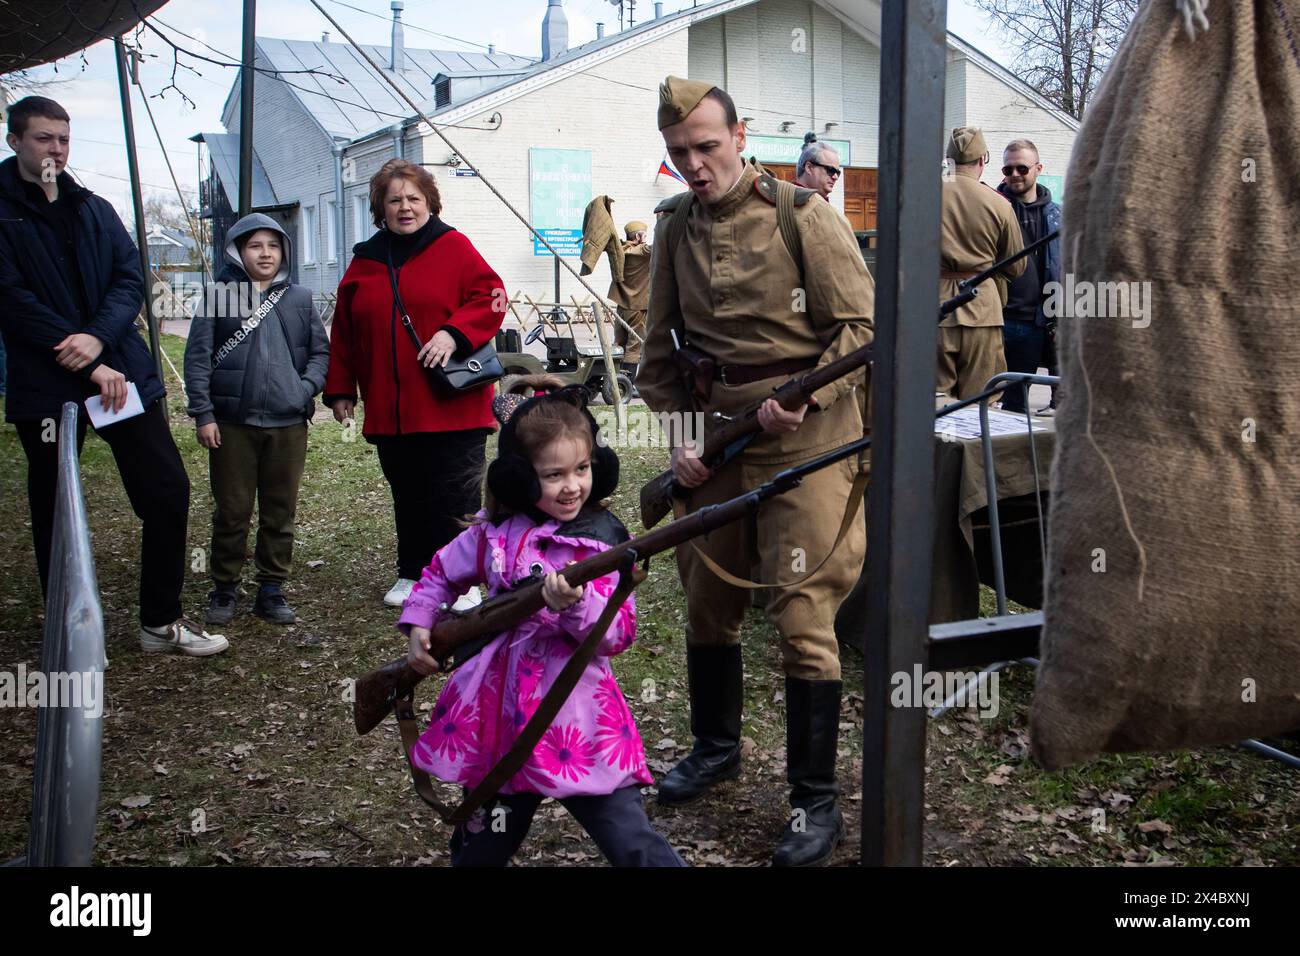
(511, 477)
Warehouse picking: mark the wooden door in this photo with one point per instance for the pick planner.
(860, 198)
(859, 193)
(780, 171)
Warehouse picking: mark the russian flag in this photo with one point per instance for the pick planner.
(666, 170)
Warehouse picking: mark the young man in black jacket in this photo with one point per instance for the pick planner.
(71, 285)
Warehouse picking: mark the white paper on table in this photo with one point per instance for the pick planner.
(965, 423)
(101, 418)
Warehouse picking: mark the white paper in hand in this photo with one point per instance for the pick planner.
(101, 418)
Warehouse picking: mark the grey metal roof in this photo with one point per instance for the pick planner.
(224, 150)
(579, 51)
(181, 238)
(366, 102)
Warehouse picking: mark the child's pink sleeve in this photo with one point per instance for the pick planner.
(578, 619)
(450, 574)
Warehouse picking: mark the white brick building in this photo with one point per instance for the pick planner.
(791, 65)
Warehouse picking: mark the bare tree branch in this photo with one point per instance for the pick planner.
(1062, 47)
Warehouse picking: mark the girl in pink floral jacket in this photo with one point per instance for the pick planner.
(543, 513)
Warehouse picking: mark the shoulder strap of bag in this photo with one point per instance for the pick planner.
(401, 309)
(253, 322)
(677, 225)
(785, 193)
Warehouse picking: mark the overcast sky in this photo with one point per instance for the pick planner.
(89, 89)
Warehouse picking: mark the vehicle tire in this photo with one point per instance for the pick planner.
(624, 388)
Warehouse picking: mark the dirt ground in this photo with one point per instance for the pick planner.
(250, 758)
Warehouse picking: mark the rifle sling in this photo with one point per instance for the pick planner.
(850, 513)
(509, 765)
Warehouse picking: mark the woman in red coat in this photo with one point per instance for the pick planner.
(430, 446)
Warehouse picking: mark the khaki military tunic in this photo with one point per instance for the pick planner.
(977, 228)
(632, 296)
(732, 289)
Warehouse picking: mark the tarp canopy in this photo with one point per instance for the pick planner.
(33, 32)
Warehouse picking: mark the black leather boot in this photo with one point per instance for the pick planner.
(812, 725)
(715, 677)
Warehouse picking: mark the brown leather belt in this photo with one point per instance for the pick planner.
(732, 375)
(957, 276)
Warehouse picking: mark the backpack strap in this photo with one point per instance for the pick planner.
(678, 208)
(786, 197)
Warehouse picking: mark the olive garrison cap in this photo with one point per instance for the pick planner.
(635, 226)
(966, 145)
(677, 97)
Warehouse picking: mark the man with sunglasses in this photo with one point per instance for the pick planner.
(977, 229)
(818, 168)
(1029, 335)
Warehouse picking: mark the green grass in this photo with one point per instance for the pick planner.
(258, 742)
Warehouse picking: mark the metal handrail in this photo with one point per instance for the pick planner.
(65, 785)
(1024, 380)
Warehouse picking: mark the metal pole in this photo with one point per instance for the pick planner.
(901, 513)
(991, 493)
(557, 282)
(137, 200)
(246, 112)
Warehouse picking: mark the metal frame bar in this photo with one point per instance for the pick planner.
(137, 201)
(246, 79)
(65, 785)
(1024, 380)
(901, 508)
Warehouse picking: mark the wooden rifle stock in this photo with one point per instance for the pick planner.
(377, 692)
(657, 493)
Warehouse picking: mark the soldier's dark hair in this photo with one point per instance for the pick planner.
(728, 104)
(22, 112)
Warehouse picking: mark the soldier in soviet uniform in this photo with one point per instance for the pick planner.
(731, 288)
(632, 295)
(978, 227)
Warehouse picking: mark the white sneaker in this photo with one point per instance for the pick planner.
(182, 637)
(399, 592)
(468, 601)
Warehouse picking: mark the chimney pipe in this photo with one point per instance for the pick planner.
(600, 31)
(555, 31)
(659, 10)
(325, 37)
(492, 48)
(397, 62)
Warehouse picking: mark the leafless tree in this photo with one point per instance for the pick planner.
(1062, 46)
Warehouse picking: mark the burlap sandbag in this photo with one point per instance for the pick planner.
(1177, 466)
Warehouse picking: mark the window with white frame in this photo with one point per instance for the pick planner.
(331, 230)
(308, 240)
(363, 227)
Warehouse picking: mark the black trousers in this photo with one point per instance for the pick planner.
(436, 479)
(616, 821)
(156, 484)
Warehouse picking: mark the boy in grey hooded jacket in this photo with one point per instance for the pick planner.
(252, 374)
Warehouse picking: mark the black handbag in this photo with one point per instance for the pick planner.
(462, 373)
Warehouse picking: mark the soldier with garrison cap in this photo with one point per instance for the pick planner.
(978, 228)
(752, 275)
(632, 295)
